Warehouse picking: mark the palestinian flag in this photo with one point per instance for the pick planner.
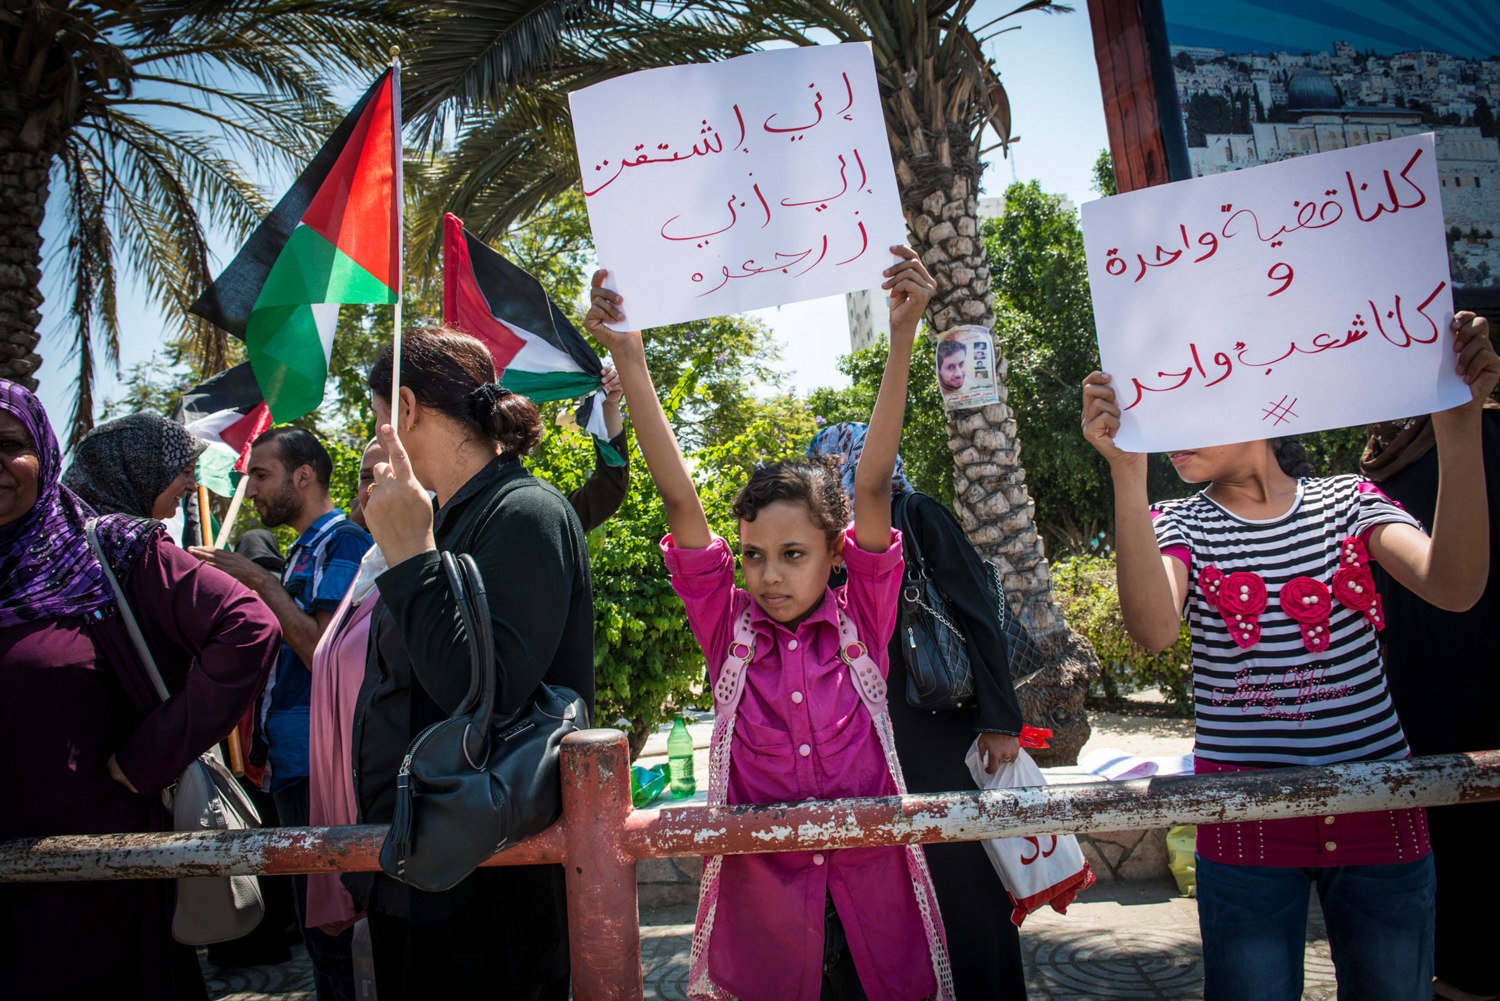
(335, 237)
(227, 412)
(537, 351)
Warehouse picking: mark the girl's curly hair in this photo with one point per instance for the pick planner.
(812, 482)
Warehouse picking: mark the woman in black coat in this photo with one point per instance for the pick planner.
(502, 932)
(984, 947)
(1444, 680)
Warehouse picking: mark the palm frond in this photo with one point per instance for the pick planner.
(90, 251)
(476, 53)
(161, 176)
(500, 171)
(240, 81)
(471, 51)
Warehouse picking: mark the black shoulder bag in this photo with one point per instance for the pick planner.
(938, 673)
(476, 782)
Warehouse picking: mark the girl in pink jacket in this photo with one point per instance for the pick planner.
(798, 673)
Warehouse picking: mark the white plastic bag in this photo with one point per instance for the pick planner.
(1048, 869)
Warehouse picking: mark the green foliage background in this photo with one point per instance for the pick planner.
(1085, 589)
(924, 440)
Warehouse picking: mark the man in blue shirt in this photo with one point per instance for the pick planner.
(289, 470)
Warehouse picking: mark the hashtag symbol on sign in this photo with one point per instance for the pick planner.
(1281, 411)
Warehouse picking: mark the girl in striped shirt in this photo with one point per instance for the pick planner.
(1271, 567)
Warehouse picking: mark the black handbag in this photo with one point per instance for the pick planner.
(938, 673)
(1023, 655)
(475, 782)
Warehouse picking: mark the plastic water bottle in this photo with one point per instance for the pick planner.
(680, 759)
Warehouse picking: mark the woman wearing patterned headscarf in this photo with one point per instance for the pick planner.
(141, 465)
(984, 948)
(86, 743)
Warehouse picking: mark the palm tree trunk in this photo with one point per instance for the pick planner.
(24, 174)
(992, 501)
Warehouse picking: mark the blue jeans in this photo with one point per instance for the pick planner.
(1253, 920)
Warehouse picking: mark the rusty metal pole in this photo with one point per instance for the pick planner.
(604, 931)
(779, 827)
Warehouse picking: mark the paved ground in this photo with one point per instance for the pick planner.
(1119, 942)
(287, 982)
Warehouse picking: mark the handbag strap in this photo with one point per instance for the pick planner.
(911, 553)
(478, 703)
(132, 627)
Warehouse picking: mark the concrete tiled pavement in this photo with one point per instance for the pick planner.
(1118, 942)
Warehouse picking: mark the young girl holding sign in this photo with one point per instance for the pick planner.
(798, 675)
(1273, 570)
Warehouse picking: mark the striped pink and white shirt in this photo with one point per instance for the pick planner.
(1277, 703)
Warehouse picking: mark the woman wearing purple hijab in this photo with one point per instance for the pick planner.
(87, 746)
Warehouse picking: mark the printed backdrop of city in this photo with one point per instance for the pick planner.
(1262, 80)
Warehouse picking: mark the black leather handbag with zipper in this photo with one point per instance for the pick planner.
(939, 675)
(476, 782)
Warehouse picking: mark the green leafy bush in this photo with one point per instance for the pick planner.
(1085, 589)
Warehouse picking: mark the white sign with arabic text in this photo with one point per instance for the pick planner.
(1296, 296)
(728, 186)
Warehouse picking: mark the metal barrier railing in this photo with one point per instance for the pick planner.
(601, 838)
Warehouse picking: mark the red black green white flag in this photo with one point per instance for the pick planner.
(228, 412)
(538, 353)
(334, 238)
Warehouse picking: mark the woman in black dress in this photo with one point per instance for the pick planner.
(1445, 681)
(502, 932)
(984, 947)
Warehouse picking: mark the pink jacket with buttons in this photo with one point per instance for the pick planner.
(802, 732)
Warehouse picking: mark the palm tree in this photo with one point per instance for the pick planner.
(496, 76)
(129, 119)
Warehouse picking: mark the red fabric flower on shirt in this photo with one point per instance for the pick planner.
(1242, 597)
(1354, 585)
(1308, 603)
(1211, 580)
(1352, 552)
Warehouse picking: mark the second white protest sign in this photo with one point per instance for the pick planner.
(1297, 296)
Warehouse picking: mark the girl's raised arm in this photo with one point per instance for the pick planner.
(658, 444)
(1451, 568)
(911, 289)
(1152, 587)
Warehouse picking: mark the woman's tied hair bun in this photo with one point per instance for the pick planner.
(452, 373)
(1291, 456)
(482, 401)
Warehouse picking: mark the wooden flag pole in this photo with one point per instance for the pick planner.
(236, 753)
(396, 373)
(234, 512)
(205, 530)
(205, 534)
